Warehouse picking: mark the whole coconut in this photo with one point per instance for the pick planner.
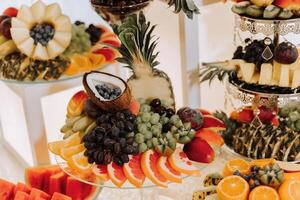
(286, 53)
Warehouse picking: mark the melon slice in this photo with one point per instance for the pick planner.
(6, 190)
(38, 194)
(57, 183)
(284, 80)
(21, 196)
(247, 70)
(80, 191)
(59, 196)
(266, 74)
(22, 188)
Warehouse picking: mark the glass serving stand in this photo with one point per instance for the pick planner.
(22, 119)
(149, 190)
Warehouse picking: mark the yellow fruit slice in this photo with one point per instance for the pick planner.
(264, 193)
(237, 164)
(233, 188)
(97, 60)
(73, 140)
(290, 190)
(68, 152)
(167, 171)
(262, 162)
(79, 162)
(56, 146)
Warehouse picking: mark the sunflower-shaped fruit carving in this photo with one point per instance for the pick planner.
(41, 31)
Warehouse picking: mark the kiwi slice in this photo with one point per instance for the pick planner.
(271, 12)
(254, 11)
(285, 14)
(240, 8)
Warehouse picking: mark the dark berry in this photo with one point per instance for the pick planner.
(124, 158)
(170, 112)
(155, 103)
(118, 161)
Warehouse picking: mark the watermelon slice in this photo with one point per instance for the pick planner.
(80, 191)
(57, 183)
(59, 196)
(38, 194)
(6, 190)
(21, 187)
(21, 196)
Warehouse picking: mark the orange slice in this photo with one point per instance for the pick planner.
(101, 172)
(180, 162)
(233, 188)
(262, 162)
(263, 193)
(79, 162)
(116, 174)
(56, 146)
(67, 152)
(290, 190)
(97, 60)
(133, 171)
(73, 140)
(294, 175)
(149, 167)
(237, 164)
(167, 171)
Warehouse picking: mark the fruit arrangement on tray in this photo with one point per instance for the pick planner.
(41, 43)
(264, 135)
(267, 9)
(262, 179)
(111, 134)
(260, 66)
(47, 183)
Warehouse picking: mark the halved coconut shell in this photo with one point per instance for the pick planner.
(93, 78)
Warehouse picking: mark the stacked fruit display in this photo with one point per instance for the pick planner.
(40, 43)
(258, 180)
(273, 138)
(47, 183)
(267, 9)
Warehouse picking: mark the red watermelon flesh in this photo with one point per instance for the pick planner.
(6, 190)
(21, 196)
(74, 189)
(57, 183)
(59, 196)
(21, 187)
(46, 179)
(38, 194)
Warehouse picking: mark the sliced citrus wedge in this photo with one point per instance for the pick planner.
(79, 162)
(101, 172)
(289, 190)
(167, 171)
(116, 174)
(180, 162)
(56, 146)
(133, 171)
(73, 140)
(68, 152)
(233, 188)
(149, 167)
(236, 164)
(264, 193)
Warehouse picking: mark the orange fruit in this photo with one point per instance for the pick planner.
(101, 172)
(180, 162)
(73, 140)
(262, 162)
(233, 188)
(263, 193)
(149, 167)
(116, 174)
(290, 190)
(167, 171)
(237, 164)
(68, 152)
(96, 60)
(79, 162)
(71, 70)
(294, 175)
(133, 171)
(56, 146)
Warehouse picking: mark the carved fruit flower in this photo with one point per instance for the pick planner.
(41, 32)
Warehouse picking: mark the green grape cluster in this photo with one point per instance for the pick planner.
(290, 115)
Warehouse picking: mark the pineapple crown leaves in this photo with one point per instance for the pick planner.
(135, 34)
(187, 6)
(210, 71)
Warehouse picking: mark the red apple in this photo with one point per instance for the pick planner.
(246, 115)
(108, 53)
(199, 150)
(211, 122)
(203, 111)
(210, 136)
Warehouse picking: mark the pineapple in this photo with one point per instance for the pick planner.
(296, 79)
(248, 70)
(276, 71)
(284, 80)
(187, 6)
(138, 54)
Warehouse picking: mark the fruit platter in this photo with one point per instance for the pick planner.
(129, 137)
(260, 179)
(40, 43)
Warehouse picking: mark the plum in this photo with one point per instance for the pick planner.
(286, 53)
(5, 26)
(187, 114)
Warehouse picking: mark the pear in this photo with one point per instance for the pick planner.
(54, 49)
(53, 11)
(17, 23)
(19, 35)
(63, 24)
(63, 38)
(40, 53)
(25, 15)
(38, 10)
(27, 47)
